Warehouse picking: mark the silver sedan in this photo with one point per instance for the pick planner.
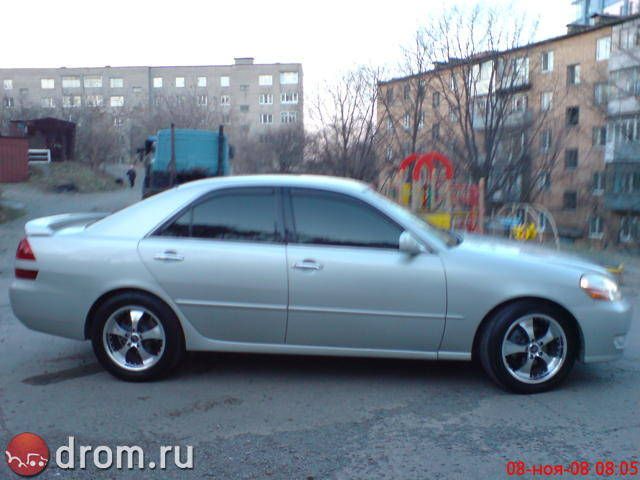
(309, 265)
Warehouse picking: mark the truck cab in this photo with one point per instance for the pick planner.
(176, 156)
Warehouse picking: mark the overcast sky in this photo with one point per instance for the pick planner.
(327, 37)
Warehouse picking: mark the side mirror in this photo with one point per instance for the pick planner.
(409, 244)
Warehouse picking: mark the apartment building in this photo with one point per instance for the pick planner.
(585, 10)
(248, 97)
(573, 116)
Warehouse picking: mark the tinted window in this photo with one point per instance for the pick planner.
(249, 215)
(331, 219)
(179, 228)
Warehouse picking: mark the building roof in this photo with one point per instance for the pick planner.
(485, 55)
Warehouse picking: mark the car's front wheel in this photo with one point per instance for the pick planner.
(528, 347)
(136, 337)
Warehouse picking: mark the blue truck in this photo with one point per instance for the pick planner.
(176, 156)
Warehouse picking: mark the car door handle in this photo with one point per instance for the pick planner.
(168, 256)
(307, 265)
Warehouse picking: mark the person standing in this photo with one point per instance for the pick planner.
(131, 174)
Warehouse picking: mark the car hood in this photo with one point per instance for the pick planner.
(526, 252)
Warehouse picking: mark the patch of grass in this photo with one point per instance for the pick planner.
(7, 213)
(76, 176)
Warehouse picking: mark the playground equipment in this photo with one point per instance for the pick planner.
(526, 222)
(424, 183)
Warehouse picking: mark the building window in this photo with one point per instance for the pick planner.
(265, 80)
(521, 71)
(599, 136)
(7, 84)
(225, 81)
(435, 132)
(289, 98)
(573, 74)
(47, 102)
(116, 82)
(265, 99)
(573, 116)
(389, 124)
(225, 100)
(116, 101)
(570, 200)
(226, 118)
(454, 114)
(157, 82)
(600, 93)
(71, 101)
(595, 228)
(70, 82)
(406, 121)
(628, 229)
(179, 82)
(8, 102)
(244, 108)
(598, 183)
(288, 78)
(389, 95)
(406, 92)
(547, 61)
(544, 181)
(202, 100)
(571, 159)
(202, 81)
(266, 118)
(519, 103)
(288, 117)
(421, 120)
(47, 83)
(545, 140)
(436, 99)
(95, 101)
(603, 48)
(93, 81)
(546, 101)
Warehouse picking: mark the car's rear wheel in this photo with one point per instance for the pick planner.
(528, 347)
(137, 337)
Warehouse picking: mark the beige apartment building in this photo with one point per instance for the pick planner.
(573, 103)
(248, 97)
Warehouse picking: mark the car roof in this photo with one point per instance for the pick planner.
(282, 180)
(140, 218)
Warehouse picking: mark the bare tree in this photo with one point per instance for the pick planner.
(345, 145)
(464, 91)
(282, 150)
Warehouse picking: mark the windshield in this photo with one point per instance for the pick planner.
(450, 239)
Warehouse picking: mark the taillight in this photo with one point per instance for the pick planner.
(25, 252)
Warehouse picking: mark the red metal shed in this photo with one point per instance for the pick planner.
(14, 159)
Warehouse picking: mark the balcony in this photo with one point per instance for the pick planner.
(512, 120)
(622, 152)
(622, 187)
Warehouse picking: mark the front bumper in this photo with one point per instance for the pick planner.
(604, 327)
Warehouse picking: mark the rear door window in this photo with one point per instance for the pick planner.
(249, 215)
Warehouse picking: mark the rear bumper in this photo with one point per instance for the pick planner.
(604, 328)
(47, 309)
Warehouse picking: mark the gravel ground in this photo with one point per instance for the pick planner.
(255, 417)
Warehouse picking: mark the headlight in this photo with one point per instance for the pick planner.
(600, 287)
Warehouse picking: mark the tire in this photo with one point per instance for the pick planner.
(137, 337)
(528, 347)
